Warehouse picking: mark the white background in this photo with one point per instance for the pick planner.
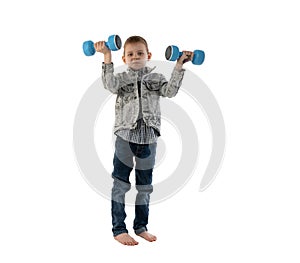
(249, 214)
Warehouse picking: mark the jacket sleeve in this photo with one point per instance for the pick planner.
(110, 81)
(170, 88)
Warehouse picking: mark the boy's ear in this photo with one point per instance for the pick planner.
(123, 58)
(149, 55)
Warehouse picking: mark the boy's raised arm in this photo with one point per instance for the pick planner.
(110, 81)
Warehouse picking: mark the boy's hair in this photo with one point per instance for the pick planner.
(135, 39)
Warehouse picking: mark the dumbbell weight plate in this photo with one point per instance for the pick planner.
(114, 42)
(118, 42)
(168, 52)
(172, 53)
(88, 48)
(199, 57)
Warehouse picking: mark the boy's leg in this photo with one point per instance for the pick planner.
(144, 188)
(123, 163)
(145, 160)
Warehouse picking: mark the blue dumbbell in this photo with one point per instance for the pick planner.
(114, 43)
(172, 53)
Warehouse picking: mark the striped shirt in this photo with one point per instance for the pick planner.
(142, 134)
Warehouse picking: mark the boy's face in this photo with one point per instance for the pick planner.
(136, 55)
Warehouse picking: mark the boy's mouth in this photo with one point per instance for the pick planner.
(136, 64)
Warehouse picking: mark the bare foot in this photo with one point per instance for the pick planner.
(149, 237)
(126, 239)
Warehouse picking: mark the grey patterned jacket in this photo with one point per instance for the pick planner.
(153, 85)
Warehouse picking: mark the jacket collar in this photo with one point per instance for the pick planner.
(142, 71)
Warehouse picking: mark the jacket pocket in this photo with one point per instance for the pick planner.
(127, 93)
(127, 88)
(152, 85)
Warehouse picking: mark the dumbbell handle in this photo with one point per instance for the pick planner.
(181, 53)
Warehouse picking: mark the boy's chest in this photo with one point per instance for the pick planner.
(140, 88)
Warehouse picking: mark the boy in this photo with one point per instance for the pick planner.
(137, 127)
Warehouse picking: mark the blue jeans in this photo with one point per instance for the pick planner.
(144, 155)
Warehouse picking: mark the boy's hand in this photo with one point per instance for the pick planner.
(102, 48)
(185, 57)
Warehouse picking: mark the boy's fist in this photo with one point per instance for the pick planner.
(101, 47)
(185, 57)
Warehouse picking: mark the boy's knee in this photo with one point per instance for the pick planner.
(143, 196)
(121, 186)
(147, 189)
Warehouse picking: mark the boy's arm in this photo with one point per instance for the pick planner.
(102, 48)
(110, 81)
(169, 89)
(185, 57)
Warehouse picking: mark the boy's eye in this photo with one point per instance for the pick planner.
(140, 53)
(129, 54)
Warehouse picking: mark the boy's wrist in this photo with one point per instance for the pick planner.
(107, 58)
(178, 66)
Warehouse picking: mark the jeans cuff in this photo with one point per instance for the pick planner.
(119, 232)
(140, 230)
